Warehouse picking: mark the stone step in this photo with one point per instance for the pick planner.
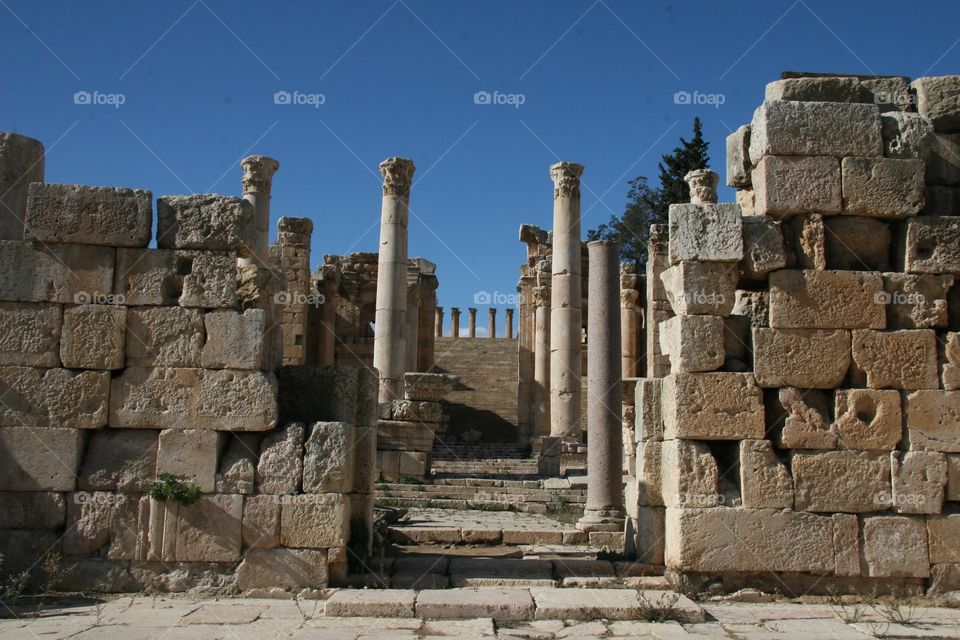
(570, 508)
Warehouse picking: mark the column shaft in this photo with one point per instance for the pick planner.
(541, 355)
(492, 322)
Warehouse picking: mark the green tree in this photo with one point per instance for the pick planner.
(647, 205)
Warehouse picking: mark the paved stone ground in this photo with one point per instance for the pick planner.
(488, 613)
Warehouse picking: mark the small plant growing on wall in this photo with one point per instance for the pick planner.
(166, 487)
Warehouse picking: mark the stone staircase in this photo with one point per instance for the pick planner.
(541, 496)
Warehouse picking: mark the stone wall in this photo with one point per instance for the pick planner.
(807, 434)
(122, 364)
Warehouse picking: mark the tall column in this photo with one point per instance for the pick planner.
(438, 322)
(454, 322)
(413, 325)
(257, 182)
(327, 338)
(293, 259)
(629, 320)
(492, 322)
(541, 359)
(472, 328)
(426, 345)
(389, 346)
(658, 305)
(509, 334)
(565, 315)
(604, 508)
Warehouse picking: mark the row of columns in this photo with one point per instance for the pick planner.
(472, 326)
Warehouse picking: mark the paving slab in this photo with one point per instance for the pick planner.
(222, 614)
(586, 604)
(500, 572)
(471, 627)
(499, 604)
(393, 603)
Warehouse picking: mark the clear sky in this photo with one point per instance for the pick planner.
(180, 90)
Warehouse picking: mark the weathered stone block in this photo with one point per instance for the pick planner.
(24, 550)
(364, 459)
(933, 245)
(164, 337)
(94, 337)
(31, 510)
(943, 159)
(88, 523)
(793, 128)
(283, 568)
(856, 243)
(238, 465)
(414, 464)
(819, 89)
(883, 187)
(904, 359)
(933, 421)
(764, 479)
(712, 406)
(937, 100)
(63, 273)
(890, 93)
(44, 459)
(953, 478)
(805, 420)
(238, 400)
(649, 424)
(805, 238)
(906, 135)
(30, 334)
(416, 411)
(705, 233)
(694, 343)
(745, 200)
(235, 340)
(261, 521)
(941, 201)
(190, 455)
(649, 535)
(896, 547)
(335, 394)
(21, 164)
(315, 521)
(753, 305)
(846, 544)
(428, 386)
(689, 475)
(649, 473)
(701, 288)
(944, 538)
(806, 358)
(328, 458)
(119, 460)
(129, 526)
(916, 301)
(206, 279)
(53, 398)
(763, 249)
(919, 479)
(847, 481)
(738, 157)
(205, 221)
(397, 435)
(88, 215)
(210, 529)
(788, 185)
(826, 300)
(868, 419)
(280, 469)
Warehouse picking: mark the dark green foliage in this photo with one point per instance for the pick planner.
(166, 487)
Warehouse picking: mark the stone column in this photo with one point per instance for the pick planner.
(293, 259)
(426, 344)
(454, 322)
(565, 317)
(629, 319)
(541, 366)
(604, 508)
(509, 334)
(413, 325)
(492, 322)
(257, 182)
(438, 322)
(472, 328)
(389, 345)
(327, 338)
(658, 305)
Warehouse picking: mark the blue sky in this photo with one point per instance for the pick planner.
(398, 77)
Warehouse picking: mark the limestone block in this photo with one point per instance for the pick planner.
(916, 301)
(417, 411)
(788, 185)
(649, 528)
(21, 164)
(738, 540)
(847, 481)
(819, 89)
(205, 221)
(238, 400)
(396, 435)
(846, 544)
(328, 458)
(906, 135)
(868, 419)
(753, 305)
(764, 479)
(763, 249)
(414, 464)
(944, 538)
(933, 245)
(210, 529)
(315, 521)
(205, 279)
(806, 358)
(701, 288)
(30, 334)
(63, 273)
(164, 337)
(428, 386)
(953, 478)
(341, 393)
(712, 406)
(919, 479)
(119, 460)
(794, 128)
(890, 93)
(689, 475)
(235, 340)
(705, 233)
(826, 300)
(53, 397)
(280, 469)
(937, 100)
(896, 547)
(94, 336)
(649, 424)
(883, 187)
(944, 578)
(88, 215)
(856, 243)
(190, 455)
(943, 159)
(88, 523)
(694, 343)
(283, 569)
(648, 473)
(32, 510)
(45, 459)
(238, 465)
(745, 199)
(261, 522)
(805, 420)
(805, 237)
(129, 524)
(941, 200)
(738, 157)
(933, 421)
(905, 359)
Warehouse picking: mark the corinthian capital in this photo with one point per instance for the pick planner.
(703, 186)
(566, 179)
(397, 176)
(258, 173)
(541, 296)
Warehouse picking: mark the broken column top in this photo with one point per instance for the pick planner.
(566, 179)
(258, 173)
(532, 234)
(703, 186)
(397, 176)
(295, 225)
